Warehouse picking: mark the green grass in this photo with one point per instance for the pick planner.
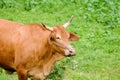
(97, 22)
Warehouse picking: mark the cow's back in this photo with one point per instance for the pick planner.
(8, 29)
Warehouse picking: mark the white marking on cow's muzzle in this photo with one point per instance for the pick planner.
(70, 51)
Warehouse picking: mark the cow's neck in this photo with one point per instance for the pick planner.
(51, 58)
(48, 58)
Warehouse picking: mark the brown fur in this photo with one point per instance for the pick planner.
(28, 49)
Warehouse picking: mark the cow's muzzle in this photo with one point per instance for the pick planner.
(69, 49)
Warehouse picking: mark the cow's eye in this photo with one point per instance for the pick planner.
(58, 38)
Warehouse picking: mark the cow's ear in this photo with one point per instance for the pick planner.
(73, 37)
(52, 36)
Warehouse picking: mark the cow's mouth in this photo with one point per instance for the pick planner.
(70, 55)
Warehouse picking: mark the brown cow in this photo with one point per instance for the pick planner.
(31, 50)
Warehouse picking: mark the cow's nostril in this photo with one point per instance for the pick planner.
(71, 51)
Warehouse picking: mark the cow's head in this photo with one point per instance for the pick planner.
(59, 39)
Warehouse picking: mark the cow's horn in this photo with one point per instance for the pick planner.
(68, 23)
(49, 28)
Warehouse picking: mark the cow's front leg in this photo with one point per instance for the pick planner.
(22, 73)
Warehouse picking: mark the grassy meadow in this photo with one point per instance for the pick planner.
(97, 22)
